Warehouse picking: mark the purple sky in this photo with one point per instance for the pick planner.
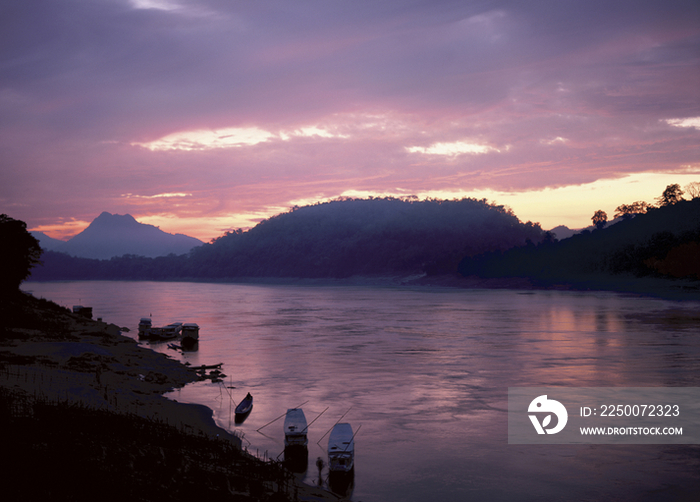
(210, 115)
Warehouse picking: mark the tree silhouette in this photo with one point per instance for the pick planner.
(20, 251)
(627, 210)
(693, 190)
(600, 218)
(671, 195)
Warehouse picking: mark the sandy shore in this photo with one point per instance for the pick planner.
(50, 355)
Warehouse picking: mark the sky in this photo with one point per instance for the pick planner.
(211, 115)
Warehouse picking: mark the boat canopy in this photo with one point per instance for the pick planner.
(295, 422)
(295, 428)
(341, 441)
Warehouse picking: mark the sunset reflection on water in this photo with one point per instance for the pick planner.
(425, 373)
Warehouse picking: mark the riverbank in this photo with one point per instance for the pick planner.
(657, 287)
(87, 413)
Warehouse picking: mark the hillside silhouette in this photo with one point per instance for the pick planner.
(662, 242)
(337, 239)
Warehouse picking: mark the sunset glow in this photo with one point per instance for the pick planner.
(206, 116)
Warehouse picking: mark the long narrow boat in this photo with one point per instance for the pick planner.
(341, 449)
(295, 428)
(245, 406)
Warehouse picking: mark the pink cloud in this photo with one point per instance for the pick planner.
(343, 98)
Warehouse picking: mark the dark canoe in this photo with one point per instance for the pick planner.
(245, 406)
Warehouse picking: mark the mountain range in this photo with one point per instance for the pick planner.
(111, 235)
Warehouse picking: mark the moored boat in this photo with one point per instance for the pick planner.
(155, 333)
(341, 448)
(171, 331)
(295, 428)
(296, 453)
(190, 334)
(150, 332)
(245, 406)
(145, 327)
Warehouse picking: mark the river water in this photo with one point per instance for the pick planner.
(422, 375)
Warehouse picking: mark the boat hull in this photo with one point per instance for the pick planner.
(243, 410)
(295, 426)
(341, 449)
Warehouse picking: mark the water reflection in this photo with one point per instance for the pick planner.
(342, 483)
(425, 373)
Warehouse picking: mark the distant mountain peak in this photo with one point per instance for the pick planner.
(111, 235)
(106, 218)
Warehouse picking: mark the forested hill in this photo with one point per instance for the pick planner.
(335, 239)
(663, 242)
(366, 237)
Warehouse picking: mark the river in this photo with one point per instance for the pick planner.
(422, 375)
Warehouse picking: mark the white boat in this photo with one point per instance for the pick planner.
(341, 448)
(295, 428)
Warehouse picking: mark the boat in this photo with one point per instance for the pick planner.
(171, 331)
(190, 334)
(205, 367)
(295, 428)
(296, 452)
(244, 408)
(155, 333)
(341, 449)
(145, 327)
(150, 332)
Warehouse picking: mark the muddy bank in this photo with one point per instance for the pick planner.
(87, 409)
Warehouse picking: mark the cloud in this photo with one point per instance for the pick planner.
(689, 122)
(208, 139)
(166, 5)
(554, 141)
(311, 131)
(452, 149)
(246, 106)
(232, 137)
(157, 196)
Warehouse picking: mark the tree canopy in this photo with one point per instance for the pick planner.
(600, 218)
(671, 195)
(662, 241)
(627, 210)
(19, 252)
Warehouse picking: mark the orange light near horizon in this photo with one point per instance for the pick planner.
(207, 216)
(62, 231)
